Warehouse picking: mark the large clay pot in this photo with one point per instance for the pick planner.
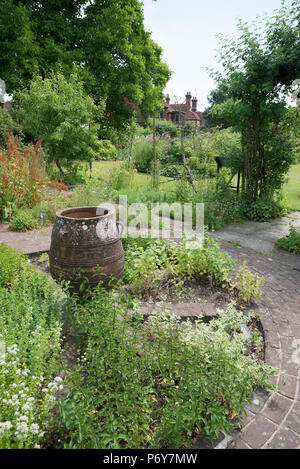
(86, 240)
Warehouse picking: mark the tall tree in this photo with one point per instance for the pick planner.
(106, 38)
(259, 70)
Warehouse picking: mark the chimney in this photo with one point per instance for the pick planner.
(194, 104)
(188, 98)
(168, 99)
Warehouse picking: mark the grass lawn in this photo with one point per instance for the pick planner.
(292, 188)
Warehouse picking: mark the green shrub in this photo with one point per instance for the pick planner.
(222, 208)
(248, 284)
(143, 261)
(7, 126)
(208, 262)
(154, 384)
(165, 127)
(23, 220)
(172, 171)
(107, 151)
(291, 242)
(12, 262)
(263, 209)
(143, 156)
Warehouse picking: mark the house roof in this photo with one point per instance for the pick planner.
(189, 115)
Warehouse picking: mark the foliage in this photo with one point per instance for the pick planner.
(30, 331)
(106, 151)
(263, 209)
(22, 175)
(22, 220)
(208, 262)
(116, 56)
(57, 110)
(259, 69)
(143, 261)
(143, 156)
(291, 242)
(7, 126)
(12, 262)
(172, 171)
(165, 127)
(18, 51)
(248, 284)
(145, 384)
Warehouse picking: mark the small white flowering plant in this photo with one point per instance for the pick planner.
(30, 339)
(25, 403)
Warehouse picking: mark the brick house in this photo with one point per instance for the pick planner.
(173, 112)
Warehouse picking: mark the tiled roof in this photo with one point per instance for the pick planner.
(189, 115)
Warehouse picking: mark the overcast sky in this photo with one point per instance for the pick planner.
(187, 30)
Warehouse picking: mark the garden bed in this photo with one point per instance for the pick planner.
(118, 315)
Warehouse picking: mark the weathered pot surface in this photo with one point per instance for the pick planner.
(86, 241)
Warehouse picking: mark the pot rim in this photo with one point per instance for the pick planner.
(60, 213)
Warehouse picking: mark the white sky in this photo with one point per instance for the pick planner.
(187, 30)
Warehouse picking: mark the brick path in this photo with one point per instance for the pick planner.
(273, 419)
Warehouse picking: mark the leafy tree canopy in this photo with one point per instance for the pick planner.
(259, 70)
(59, 112)
(106, 38)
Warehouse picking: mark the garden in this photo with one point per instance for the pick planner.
(174, 349)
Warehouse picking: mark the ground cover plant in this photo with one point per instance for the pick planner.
(156, 383)
(153, 266)
(137, 384)
(31, 343)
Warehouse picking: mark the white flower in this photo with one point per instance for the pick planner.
(23, 418)
(37, 447)
(4, 426)
(34, 428)
(58, 379)
(26, 407)
(22, 427)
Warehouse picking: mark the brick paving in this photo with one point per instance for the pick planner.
(273, 419)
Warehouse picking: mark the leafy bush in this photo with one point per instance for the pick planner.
(57, 110)
(221, 208)
(170, 152)
(143, 156)
(157, 383)
(165, 127)
(263, 209)
(144, 259)
(12, 262)
(7, 126)
(248, 284)
(291, 242)
(23, 220)
(107, 151)
(22, 175)
(30, 336)
(172, 170)
(208, 262)
(202, 169)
